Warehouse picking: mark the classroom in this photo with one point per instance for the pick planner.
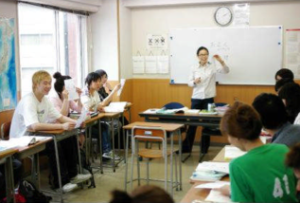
(77, 37)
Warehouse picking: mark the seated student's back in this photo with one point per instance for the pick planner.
(260, 175)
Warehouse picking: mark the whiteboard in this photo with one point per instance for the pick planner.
(253, 54)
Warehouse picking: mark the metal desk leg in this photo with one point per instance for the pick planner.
(180, 157)
(79, 155)
(35, 173)
(113, 146)
(126, 158)
(58, 168)
(100, 146)
(10, 192)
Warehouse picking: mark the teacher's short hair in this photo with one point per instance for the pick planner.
(202, 48)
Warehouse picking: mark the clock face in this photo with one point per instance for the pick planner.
(223, 16)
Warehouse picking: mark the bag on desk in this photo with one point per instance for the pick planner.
(28, 190)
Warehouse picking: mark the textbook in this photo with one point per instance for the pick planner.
(210, 171)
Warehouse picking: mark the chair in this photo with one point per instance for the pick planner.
(152, 134)
(5, 129)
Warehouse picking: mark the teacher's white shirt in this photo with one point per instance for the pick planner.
(207, 86)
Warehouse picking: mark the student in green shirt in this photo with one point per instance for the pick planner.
(260, 175)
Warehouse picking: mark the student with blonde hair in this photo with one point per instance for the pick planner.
(260, 175)
(34, 112)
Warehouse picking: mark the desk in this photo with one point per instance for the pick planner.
(171, 128)
(211, 121)
(88, 135)
(34, 150)
(201, 194)
(110, 117)
(6, 158)
(58, 135)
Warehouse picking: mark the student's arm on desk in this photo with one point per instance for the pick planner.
(51, 126)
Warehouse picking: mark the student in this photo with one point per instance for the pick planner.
(293, 161)
(142, 194)
(284, 73)
(271, 180)
(33, 112)
(275, 119)
(280, 83)
(61, 101)
(91, 102)
(106, 94)
(202, 79)
(290, 95)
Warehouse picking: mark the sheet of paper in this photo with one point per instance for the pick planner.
(216, 196)
(213, 166)
(213, 185)
(81, 118)
(232, 152)
(70, 86)
(20, 142)
(122, 85)
(115, 107)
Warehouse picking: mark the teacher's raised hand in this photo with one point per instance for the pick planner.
(218, 58)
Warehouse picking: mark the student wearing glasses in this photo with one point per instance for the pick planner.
(202, 79)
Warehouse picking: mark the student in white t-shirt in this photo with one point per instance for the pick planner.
(33, 112)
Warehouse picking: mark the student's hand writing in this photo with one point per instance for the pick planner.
(65, 94)
(225, 190)
(197, 80)
(68, 126)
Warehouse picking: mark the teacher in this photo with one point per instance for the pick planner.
(202, 79)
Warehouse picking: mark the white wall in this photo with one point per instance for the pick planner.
(159, 20)
(9, 9)
(125, 42)
(105, 39)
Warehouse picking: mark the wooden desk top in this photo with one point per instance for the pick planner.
(110, 115)
(182, 115)
(40, 142)
(51, 132)
(99, 116)
(169, 127)
(8, 152)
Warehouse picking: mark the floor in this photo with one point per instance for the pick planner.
(110, 180)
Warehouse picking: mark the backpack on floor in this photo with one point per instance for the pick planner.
(32, 195)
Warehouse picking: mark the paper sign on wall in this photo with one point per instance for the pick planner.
(138, 64)
(163, 64)
(151, 64)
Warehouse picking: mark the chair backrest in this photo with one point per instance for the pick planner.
(149, 134)
(173, 105)
(5, 128)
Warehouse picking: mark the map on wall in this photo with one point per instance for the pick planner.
(8, 83)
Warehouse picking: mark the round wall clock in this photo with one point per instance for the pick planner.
(223, 16)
